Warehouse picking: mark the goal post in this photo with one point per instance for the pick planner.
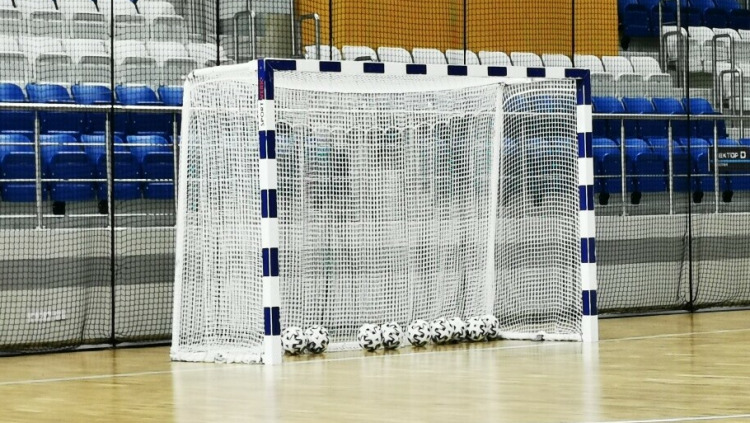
(387, 192)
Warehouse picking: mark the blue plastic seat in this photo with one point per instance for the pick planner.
(71, 166)
(14, 143)
(672, 106)
(689, 15)
(611, 128)
(144, 123)
(607, 166)
(669, 14)
(159, 170)
(52, 144)
(125, 167)
(704, 128)
(646, 128)
(95, 146)
(143, 145)
(739, 18)
(171, 95)
(634, 19)
(92, 94)
(71, 123)
(18, 165)
(15, 122)
(712, 16)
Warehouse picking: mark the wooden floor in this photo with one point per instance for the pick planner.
(647, 369)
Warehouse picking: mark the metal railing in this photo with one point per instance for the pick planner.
(316, 19)
(39, 178)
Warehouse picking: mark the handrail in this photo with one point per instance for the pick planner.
(737, 71)
(253, 34)
(88, 107)
(714, 61)
(293, 24)
(664, 38)
(316, 18)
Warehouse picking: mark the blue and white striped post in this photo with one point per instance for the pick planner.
(269, 223)
(586, 216)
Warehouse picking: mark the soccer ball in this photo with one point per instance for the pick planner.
(418, 333)
(475, 329)
(441, 331)
(491, 326)
(317, 339)
(459, 329)
(391, 335)
(369, 337)
(293, 340)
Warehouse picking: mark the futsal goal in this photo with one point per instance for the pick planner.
(346, 193)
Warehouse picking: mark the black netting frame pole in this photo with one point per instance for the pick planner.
(691, 294)
(330, 30)
(110, 139)
(466, 28)
(573, 31)
(218, 43)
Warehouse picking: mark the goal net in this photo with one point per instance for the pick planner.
(399, 197)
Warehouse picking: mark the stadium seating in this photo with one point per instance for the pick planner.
(15, 122)
(18, 165)
(124, 167)
(143, 123)
(143, 146)
(657, 83)
(159, 170)
(54, 144)
(704, 128)
(95, 146)
(394, 54)
(648, 168)
(174, 61)
(55, 122)
(634, 19)
(326, 53)
(495, 58)
(456, 57)
(171, 95)
(359, 53)
(627, 82)
(205, 54)
(607, 167)
(70, 166)
(611, 128)
(602, 82)
(133, 65)
(672, 106)
(428, 56)
(526, 59)
(557, 60)
(49, 60)
(646, 128)
(738, 18)
(11, 22)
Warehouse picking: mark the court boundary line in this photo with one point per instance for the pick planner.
(679, 419)
(220, 367)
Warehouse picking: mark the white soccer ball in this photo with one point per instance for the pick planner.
(317, 339)
(293, 340)
(441, 331)
(369, 337)
(475, 329)
(391, 334)
(418, 333)
(491, 326)
(459, 329)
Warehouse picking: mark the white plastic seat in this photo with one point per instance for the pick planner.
(394, 54)
(156, 8)
(174, 60)
(12, 22)
(80, 9)
(657, 83)
(428, 56)
(131, 27)
(701, 46)
(15, 67)
(557, 60)
(205, 54)
(741, 46)
(358, 53)
(53, 67)
(86, 51)
(526, 59)
(9, 44)
(83, 28)
(628, 83)
(35, 46)
(46, 23)
(87, 73)
(494, 58)
(122, 8)
(456, 57)
(602, 82)
(326, 53)
(168, 28)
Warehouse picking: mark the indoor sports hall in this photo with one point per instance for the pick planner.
(372, 210)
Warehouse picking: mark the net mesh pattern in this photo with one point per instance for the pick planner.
(386, 208)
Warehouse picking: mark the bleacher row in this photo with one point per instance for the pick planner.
(610, 75)
(640, 18)
(647, 152)
(73, 144)
(67, 41)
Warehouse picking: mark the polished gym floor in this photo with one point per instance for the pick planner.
(672, 368)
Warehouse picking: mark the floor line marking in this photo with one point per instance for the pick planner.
(680, 419)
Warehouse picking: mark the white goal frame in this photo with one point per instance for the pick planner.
(272, 351)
